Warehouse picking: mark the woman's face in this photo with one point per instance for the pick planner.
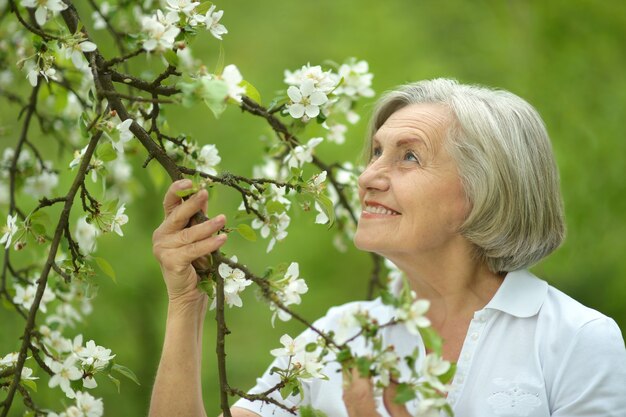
(411, 195)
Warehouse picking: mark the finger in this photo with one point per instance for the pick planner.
(394, 409)
(179, 217)
(171, 200)
(203, 247)
(199, 231)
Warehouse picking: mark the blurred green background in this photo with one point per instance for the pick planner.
(565, 57)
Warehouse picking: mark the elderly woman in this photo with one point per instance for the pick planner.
(461, 192)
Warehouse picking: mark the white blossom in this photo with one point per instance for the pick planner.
(78, 156)
(207, 160)
(63, 374)
(357, 80)
(337, 133)
(160, 31)
(305, 100)
(302, 154)
(25, 296)
(88, 405)
(65, 315)
(41, 185)
(323, 81)
(295, 286)
(211, 20)
(234, 283)
(9, 231)
(43, 6)
(182, 6)
(86, 235)
(310, 363)
(125, 135)
(75, 52)
(233, 79)
(9, 360)
(27, 374)
(96, 356)
(413, 315)
(321, 217)
(119, 220)
(291, 346)
(98, 20)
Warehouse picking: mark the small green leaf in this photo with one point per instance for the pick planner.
(29, 383)
(246, 232)
(309, 411)
(311, 347)
(187, 192)
(447, 377)
(432, 340)
(207, 287)
(219, 65)
(404, 393)
(275, 207)
(39, 217)
(291, 388)
(344, 355)
(171, 57)
(106, 267)
(106, 152)
(203, 7)
(214, 94)
(364, 364)
(115, 381)
(126, 372)
(328, 207)
(251, 91)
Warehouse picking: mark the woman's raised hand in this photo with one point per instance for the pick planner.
(176, 246)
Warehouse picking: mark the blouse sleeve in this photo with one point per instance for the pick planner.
(591, 381)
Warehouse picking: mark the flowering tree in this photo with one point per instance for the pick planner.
(96, 108)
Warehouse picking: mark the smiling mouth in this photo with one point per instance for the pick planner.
(380, 210)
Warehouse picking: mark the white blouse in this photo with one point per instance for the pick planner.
(532, 351)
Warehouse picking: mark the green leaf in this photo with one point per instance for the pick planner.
(39, 217)
(214, 93)
(171, 57)
(219, 65)
(246, 232)
(187, 192)
(291, 388)
(106, 152)
(275, 207)
(309, 411)
(344, 355)
(447, 377)
(106, 267)
(311, 347)
(206, 286)
(203, 7)
(29, 383)
(126, 372)
(115, 381)
(364, 364)
(251, 91)
(328, 207)
(432, 340)
(404, 393)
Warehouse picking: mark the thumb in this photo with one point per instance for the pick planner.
(394, 409)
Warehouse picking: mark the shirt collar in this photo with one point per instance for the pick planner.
(521, 294)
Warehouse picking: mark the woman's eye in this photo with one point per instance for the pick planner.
(410, 156)
(376, 152)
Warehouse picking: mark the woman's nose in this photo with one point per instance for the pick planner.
(375, 177)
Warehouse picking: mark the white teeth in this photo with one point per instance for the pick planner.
(379, 210)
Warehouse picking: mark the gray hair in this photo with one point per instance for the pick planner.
(506, 165)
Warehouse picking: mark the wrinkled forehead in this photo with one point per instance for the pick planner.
(428, 122)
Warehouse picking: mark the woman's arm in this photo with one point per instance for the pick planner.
(177, 389)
